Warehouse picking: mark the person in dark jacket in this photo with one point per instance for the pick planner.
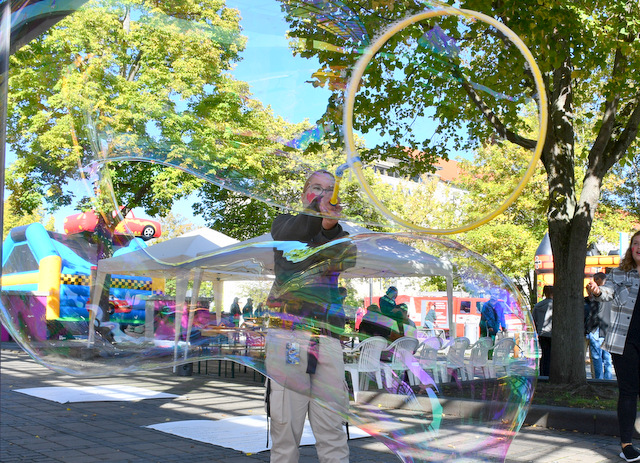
(235, 311)
(304, 356)
(595, 327)
(543, 317)
(247, 310)
(375, 324)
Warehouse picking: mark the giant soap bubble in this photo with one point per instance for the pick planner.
(431, 405)
(125, 105)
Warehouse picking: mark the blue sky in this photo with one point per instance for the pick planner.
(277, 78)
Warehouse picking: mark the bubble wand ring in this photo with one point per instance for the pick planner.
(353, 159)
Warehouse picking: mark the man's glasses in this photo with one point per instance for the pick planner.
(318, 190)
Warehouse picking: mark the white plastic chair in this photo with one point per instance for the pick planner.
(368, 362)
(479, 359)
(434, 342)
(427, 360)
(401, 350)
(487, 341)
(502, 353)
(455, 358)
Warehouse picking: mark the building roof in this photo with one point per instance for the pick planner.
(447, 170)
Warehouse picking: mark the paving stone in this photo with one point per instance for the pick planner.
(34, 430)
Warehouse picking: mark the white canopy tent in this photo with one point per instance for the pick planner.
(379, 255)
(170, 258)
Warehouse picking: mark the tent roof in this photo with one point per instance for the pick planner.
(168, 257)
(379, 255)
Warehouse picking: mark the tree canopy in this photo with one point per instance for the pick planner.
(140, 84)
(138, 100)
(589, 55)
(12, 220)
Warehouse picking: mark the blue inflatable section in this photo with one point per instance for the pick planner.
(25, 246)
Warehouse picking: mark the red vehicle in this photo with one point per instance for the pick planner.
(130, 225)
(118, 306)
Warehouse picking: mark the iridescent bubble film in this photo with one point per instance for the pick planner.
(121, 112)
(433, 404)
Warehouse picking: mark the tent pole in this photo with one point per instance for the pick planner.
(197, 280)
(217, 297)
(97, 282)
(181, 296)
(452, 324)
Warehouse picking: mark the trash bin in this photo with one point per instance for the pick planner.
(471, 331)
(184, 369)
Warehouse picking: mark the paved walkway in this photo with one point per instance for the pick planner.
(37, 430)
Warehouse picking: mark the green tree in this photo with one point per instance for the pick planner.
(12, 220)
(113, 81)
(510, 240)
(488, 176)
(237, 214)
(174, 225)
(623, 189)
(589, 55)
(152, 82)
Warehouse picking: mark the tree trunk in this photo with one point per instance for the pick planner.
(569, 245)
(569, 228)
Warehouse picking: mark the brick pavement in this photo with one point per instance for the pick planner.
(37, 430)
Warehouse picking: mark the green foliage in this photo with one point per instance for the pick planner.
(258, 292)
(141, 84)
(621, 189)
(410, 79)
(508, 246)
(238, 214)
(510, 240)
(12, 219)
(609, 221)
(434, 283)
(174, 226)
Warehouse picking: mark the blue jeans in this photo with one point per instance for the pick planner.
(600, 358)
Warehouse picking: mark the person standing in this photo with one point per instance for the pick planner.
(235, 311)
(259, 312)
(542, 317)
(247, 310)
(431, 316)
(623, 339)
(391, 310)
(490, 320)
(595, 326)
(304, 356)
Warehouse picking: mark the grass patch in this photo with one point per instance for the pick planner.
(599, 396)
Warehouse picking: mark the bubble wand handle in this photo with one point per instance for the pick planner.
(339, 173)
